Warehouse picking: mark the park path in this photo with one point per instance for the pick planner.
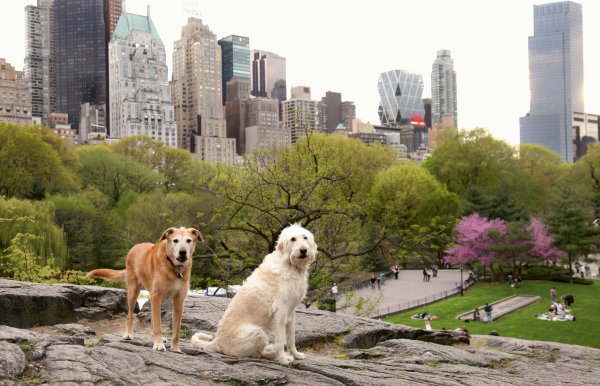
(408, 291)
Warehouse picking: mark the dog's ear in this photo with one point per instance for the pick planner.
(279, 246)
(196, 234)
(166, 234)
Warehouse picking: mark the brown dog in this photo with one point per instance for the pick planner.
(164, 270)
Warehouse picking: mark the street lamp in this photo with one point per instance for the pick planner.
(461, 281)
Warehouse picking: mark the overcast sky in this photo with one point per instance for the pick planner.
(343, 46)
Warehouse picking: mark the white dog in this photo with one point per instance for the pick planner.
(264, 306)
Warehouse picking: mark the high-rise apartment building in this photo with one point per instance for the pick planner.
(198, 95)
(235, 59)
(112, 12)
(443, 90)
(39, 58)
(79, 55)
(140, 94)
(332, 112)
(555, 77)
(238, 93)
(263, 128)
(268, 75)
(299, 113)
(400, 94)
(15, 99)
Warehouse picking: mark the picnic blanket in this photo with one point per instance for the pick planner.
(544, 316)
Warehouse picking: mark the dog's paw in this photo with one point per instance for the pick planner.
(177, 350)
(285, 359)
(159, 347)
(127, 337)
(298, 355)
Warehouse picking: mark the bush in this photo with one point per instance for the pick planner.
(544, 272)
(576, 280)
(327, 304)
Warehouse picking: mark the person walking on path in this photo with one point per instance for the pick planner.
(424, 274)
(553, 295)
(488, 312)
(382, 278)
(334, 290)
(373, 281)
(379, 283)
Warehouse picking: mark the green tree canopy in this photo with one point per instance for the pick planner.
(467, 158)
(114, 174)
(30, 166)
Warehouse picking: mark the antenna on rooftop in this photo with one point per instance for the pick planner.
(192, 8)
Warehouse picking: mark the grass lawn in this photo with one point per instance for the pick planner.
(585, 330)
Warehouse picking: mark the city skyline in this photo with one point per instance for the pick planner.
(347, 53)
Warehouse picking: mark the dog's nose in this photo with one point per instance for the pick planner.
(303, 251)
(182, 256)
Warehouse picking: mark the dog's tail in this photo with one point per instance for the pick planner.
(202, 341)
(108, 274)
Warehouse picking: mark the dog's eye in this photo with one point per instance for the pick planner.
(188, 241)
(305, 238)
(293, 239)
(175, 241)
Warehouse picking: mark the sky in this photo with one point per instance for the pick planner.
(343, 46)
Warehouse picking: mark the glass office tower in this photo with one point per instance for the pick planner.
(80, 56)
(400, 94)
(443, 90)
(268, 75)
(555, 77)
(235, 59)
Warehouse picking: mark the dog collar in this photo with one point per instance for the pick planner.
(178, 268)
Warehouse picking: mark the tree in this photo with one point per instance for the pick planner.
(94, 231)
(474, 240)
(408, 202)
(467, 158)
(174, 165)
(586, 174)
(320, 182)
(34, 218)
(114, 174)
(572, 229)
(31, 167)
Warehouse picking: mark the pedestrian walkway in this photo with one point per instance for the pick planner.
(407, 292)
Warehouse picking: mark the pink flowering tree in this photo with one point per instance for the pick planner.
(543, 243)
(474, 238)
(495, 243)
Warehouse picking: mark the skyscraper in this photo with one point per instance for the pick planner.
(268, 75)
(400, 94)
(299, 113)
(555, 77)
(198, 96)
(80, 55)
(333, 112)
(39, 58)
(112, 12)
(235, 59)
(140, 94)
(443, 89)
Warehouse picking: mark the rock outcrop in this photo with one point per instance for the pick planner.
(343, 350)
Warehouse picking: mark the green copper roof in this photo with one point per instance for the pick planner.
(129, 22)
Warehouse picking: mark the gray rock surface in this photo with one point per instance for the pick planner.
(25, 304)
(343, 350)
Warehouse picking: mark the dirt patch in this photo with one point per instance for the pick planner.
(115, 326)
(329, 349)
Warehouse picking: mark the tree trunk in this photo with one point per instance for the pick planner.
(570, 268)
